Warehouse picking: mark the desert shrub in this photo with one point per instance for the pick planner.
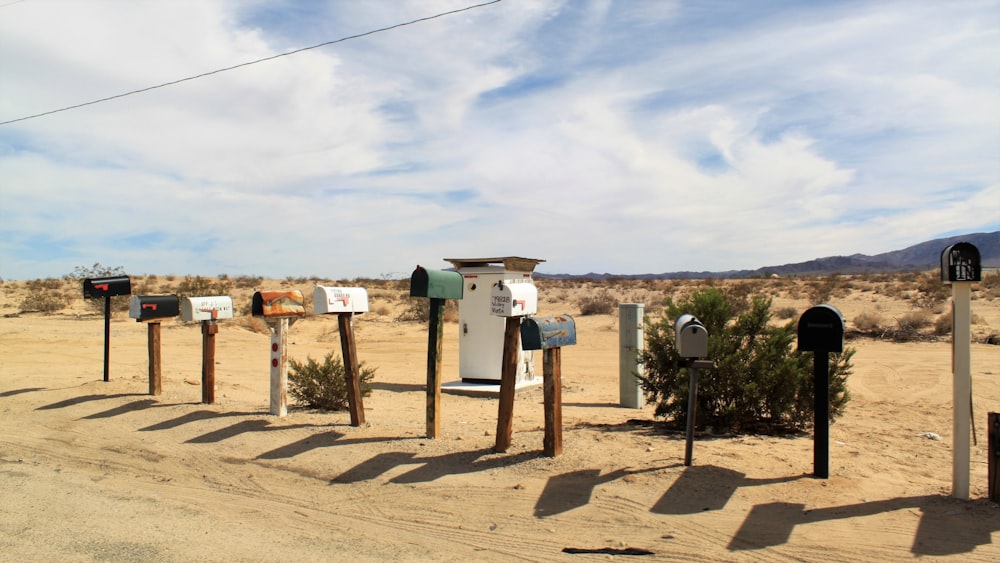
(600, 303)
(930, 292)
(419, 310)
(119, 303)
(47, 302)
(759, 383)
(246, 282)
(785, 313)
(942, 326)
(198, 286)
(868, 321)
(914, 321)
(324, 386)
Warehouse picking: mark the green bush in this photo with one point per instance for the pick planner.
(324, 386)
(759, 383)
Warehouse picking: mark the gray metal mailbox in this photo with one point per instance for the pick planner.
(691, 337)
(153, 307)
(960, 262)
(821, 329)
(94, 288)
(542, 333)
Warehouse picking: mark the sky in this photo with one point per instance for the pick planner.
(623, 137)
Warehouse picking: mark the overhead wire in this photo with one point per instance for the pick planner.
(241, 65)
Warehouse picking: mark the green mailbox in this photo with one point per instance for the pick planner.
(436, 284)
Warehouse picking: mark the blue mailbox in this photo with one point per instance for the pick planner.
(542, 333)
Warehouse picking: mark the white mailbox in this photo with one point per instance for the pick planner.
(514, 299)
(690, 337)
(207, 308)
(331, 300)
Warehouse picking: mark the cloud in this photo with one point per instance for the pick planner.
(619, 137)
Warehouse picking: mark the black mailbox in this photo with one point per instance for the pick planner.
(960, 263)
(821, 329)
(94, 288)
(151, 307)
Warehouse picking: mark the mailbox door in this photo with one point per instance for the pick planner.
(438, 284)
(960, 262)
(94, 288)
(514, 299)
(821, 329)
(340, 300)
(278, 304)
(692, 341)
(150, 307)
(206, 308)
(542, 333)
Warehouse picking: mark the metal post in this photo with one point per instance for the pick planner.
(821, 422)
(107, 336)
(692, 410)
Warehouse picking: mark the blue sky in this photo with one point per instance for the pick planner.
(622, 137)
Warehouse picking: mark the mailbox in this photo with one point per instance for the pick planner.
(514, 299)
(436, 284)
(278, 304)
(153, 307)
(542, 333)
(329, 300)
(960, 262)
(821, 329)
(94, 288)
(691, 337)
(206, 308)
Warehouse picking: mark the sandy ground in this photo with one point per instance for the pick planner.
(102, 471)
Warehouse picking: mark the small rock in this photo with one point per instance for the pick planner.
(930, 436)
(190, 381)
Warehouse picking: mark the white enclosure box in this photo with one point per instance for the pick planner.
(331, 300)
(481, 334)
(515, 299)
(206, 308)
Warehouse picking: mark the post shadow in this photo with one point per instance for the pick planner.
(941, 531)
(565, 492)
(430, 468)
(702, 488)
(13, 392)
(123, 409)
(73, 401)
(195, 416)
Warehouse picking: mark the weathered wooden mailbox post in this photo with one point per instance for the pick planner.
(438, 285)
(279, 309)
(345, 302)
(550, 334)
(960, 267)
(512, 301)
(691, 339)
(821, 331)
(151, 309)
(208, 310)
(95, 288)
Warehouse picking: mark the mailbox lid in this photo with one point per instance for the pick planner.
(278, 304)
(514, 298)
(961, 262)
(149, 307)
(327, 300)
(821, 329)
(438, 284)
(106, 287)
(542, 333)
(207, 308)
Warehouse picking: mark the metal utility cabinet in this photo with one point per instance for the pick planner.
(481, 334)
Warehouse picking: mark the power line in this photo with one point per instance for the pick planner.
(272, 57)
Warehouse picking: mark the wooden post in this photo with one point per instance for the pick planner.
(279, 367)
(155, 372)
(961, 387)
(692, 415)
(994, 456)
(552, 389)
(435, 337)
(209, 329)
(352, 373)
(508, 382)
(107, 337)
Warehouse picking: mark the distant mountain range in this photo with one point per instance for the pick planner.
(919, 257)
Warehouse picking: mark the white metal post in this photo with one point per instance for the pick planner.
(962, 387)
(630, 339)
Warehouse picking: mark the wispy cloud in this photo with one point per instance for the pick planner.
(622, 137)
